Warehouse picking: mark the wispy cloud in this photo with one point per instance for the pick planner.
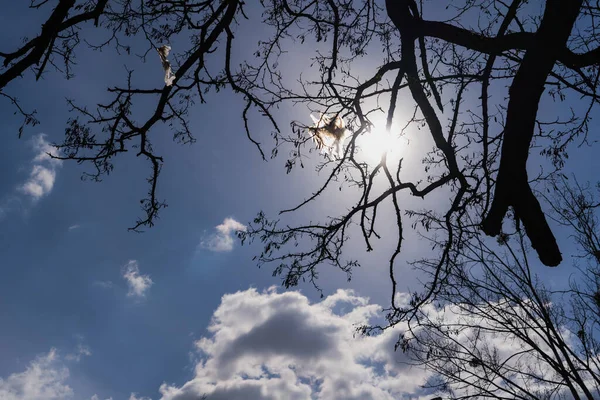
(44, 378)
(223, 239)
(42, 176)
(43, 170)
(73, 227)
(139, 284)
(133, 396)
(82, 350)
(95, 397)
(40, 182)
(104, 284)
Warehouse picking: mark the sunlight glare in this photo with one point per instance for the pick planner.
(376, 142)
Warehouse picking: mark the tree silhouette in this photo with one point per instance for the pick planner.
(452, 71)
(497, 331)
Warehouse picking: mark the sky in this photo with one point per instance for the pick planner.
(89, 310)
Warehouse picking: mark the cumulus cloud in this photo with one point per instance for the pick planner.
(44, 378)
(270, 346)
(139, 284)
(223, 239)
(43, 171)
(275, 346)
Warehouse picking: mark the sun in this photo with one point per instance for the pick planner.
(377, 142)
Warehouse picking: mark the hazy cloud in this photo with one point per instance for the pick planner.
(73, 227)
(139, 284)
(223, 239)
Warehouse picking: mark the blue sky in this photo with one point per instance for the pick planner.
(89, 309)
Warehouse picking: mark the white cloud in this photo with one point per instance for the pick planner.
(279, 346)
(95, 397)
(223, 239)
(489, 337)
(43, 171)
(44, 150)
(73, 227)
(138, 284)
(40, 182)
(133, 396)
(44, 378)
(270, 346)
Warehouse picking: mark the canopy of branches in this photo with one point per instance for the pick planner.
(473, 75)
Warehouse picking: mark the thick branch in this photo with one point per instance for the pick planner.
(512, 187)
(498, 44)
(49, 31)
